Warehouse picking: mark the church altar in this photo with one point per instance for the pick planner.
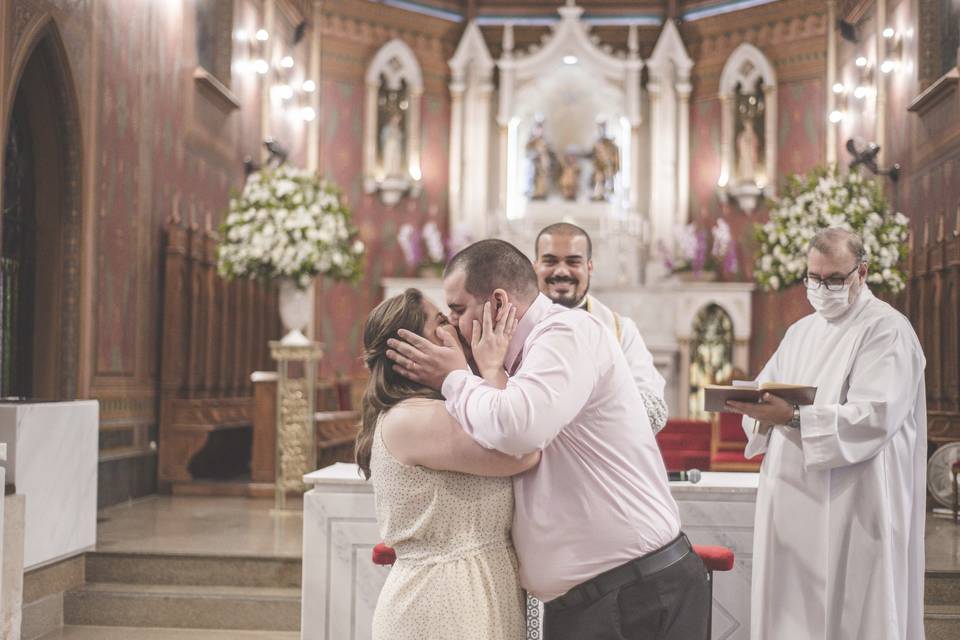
(341, 584)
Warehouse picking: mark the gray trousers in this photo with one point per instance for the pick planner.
(671, 604)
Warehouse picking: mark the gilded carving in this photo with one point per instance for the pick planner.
(294, 436)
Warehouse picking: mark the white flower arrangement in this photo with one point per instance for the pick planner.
(289, 223)
(825, 198)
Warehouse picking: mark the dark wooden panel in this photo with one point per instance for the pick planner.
(214, 336)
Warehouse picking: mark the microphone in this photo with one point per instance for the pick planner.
(693, 476)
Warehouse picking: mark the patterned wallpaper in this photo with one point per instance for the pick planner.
(342, 309)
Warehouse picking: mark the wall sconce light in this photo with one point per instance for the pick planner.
(893, 50)
(842, 94)
(255, 59)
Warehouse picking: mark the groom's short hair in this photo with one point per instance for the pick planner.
(494, 264)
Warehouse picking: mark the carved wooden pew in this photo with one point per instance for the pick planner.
(214, 333)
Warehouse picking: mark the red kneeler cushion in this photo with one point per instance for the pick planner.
(715, 558)
(382, 554)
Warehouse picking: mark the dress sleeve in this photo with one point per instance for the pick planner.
(881, 394)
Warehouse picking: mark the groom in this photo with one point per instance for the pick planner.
(596, 529)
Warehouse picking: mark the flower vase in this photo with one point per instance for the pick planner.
(295, 312)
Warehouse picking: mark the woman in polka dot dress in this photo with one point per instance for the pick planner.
(444, 503)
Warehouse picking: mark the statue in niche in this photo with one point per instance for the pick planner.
(570, 174)
(541, 161)
(392, 105)
(747, 152)
(606, 163)
(391, 142)
(750, 135)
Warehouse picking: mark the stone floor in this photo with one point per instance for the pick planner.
(247, 527)
(133, 633)
(202, 526)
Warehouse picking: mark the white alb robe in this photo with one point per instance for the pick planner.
(838, 541)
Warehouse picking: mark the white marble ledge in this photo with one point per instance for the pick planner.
(339, 473)
(345, 473)
(719, 482)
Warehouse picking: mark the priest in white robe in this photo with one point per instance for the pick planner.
(838, 542)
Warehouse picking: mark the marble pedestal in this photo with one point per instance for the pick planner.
(341, 584)
(52, 462)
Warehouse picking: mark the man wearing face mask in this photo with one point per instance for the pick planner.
(564, 263)
(838, 540)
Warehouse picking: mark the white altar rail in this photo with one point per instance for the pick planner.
(341, 584)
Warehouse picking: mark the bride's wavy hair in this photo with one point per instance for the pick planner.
(386, 387)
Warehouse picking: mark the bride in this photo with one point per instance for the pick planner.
(444, 503)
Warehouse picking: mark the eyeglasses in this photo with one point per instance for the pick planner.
(831, 284)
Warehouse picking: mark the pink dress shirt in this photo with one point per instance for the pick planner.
(599, 496)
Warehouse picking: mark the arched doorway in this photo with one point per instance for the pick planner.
(40, 226)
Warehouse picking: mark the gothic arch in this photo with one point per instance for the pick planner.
(43, 95)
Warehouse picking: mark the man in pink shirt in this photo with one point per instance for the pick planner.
(595, 527)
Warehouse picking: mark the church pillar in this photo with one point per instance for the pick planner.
(683, 151)
(455, 183)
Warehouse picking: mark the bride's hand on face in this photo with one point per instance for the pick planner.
(490, 341)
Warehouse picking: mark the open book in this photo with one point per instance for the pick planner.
(715, 397)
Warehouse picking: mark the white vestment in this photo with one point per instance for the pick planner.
(645, 375)
(838, 541)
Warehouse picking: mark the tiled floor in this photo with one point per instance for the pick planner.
(202, 526)
(131, 633)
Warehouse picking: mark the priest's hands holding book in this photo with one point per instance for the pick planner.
(769, 411)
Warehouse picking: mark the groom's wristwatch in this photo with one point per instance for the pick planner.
(795, 421)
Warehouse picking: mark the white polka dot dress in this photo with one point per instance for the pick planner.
(456, 570)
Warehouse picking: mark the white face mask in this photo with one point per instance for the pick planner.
(829, 304)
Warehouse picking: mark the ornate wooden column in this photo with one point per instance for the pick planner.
(296, 435)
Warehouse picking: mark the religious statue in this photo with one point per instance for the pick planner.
(541, 160)
(570, 175)
(606, 164)
(391, 145)
(747, 152)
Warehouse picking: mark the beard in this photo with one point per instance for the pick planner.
(570, 300)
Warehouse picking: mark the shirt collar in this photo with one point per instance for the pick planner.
(534, 314)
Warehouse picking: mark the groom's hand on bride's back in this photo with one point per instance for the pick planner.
(422, 361)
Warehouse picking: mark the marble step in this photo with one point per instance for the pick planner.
(942, 622)
(183, 606)
(163, 569)
(942, 588)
